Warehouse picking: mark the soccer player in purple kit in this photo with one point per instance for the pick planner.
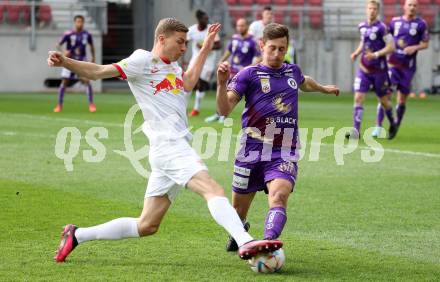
(266, 162)
(374, 45)
(76, 44)
(241, 52)
(410, 35)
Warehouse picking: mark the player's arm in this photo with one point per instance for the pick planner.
(414, 48)
(310, 85)
(358, 51)
(87, 70)
(226, 100)
(193, 73)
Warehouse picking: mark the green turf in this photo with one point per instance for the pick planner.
(359, 221)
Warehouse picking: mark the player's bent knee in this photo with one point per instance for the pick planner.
(147, 229)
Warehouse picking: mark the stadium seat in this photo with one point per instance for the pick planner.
(278, 16)
(231, 2)
(281, 2)
(13, 11)
(390, 2)
(298, 2)
(2, 11)
(389, 12)
(294, 18)
(424, 2)
(236, 14)
(315, 2)
(246, 2)
(263, 2)
(315, 19)
(428, 15)
(437, 2)
(26, 11)
(44, 14)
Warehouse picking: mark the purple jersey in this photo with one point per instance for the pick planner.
(406, 33)
(372, 37)
(271, 109)
(76, 43)
(243, 51)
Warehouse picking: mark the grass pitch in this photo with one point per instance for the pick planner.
(358, 221)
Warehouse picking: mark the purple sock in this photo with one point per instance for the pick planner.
(400, 110)
(389, 114)
(89, 92)
(275, 220)
(358, 111)
(380, 115)
(61, 92)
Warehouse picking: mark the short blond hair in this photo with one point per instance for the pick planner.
(169, 25)
(377, 2)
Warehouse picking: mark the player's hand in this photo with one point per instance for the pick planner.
(210, 36)
(410, 50)
(353, 56)
(55, 59)
(370, 55)
(67, 54)
(223, 73)
(330, 89)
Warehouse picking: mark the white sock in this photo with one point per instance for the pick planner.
(120, 228)
(199, 97)
(225, 215)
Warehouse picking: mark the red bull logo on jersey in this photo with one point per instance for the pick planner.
(171, 83)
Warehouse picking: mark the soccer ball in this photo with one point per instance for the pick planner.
(269, 262)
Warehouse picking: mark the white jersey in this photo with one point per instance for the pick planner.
(196, 38)
(157, 86)
(256, 29)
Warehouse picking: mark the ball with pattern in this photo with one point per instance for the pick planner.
(269, 262)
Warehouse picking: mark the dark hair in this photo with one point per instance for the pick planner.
(78, 17)
(200, 14)
(274, 31)
(267, 8)
(169, 25)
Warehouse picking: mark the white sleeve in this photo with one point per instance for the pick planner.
(133, 66)
(252, 28)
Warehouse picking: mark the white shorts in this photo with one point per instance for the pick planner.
(207, 73)
(172, 166)
(65, 73)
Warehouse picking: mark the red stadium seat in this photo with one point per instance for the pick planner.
(26, 10)
(237, 14)
(390, 2)
(389, 12)
(298, 2)
(231, 2)
(246, 2)
(424, 2)
(13, 13)
(2, 11)
(315, 2)
(281, 2)
(315, 19)
(278, 16)
(428, 15)
(437, 2)
(294, 18)
(44, 14)
(263, 2)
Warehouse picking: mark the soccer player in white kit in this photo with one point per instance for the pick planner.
(256, 28)
(161, 89)
(195, 36)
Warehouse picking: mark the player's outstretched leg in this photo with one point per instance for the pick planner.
(120, 228)
(279, 191)
(61, 92)
(241, 203)
(226, 216)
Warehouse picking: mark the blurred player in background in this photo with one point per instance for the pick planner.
(376, 43)
(267, 160)
(76, 46)
(256, 28)
(160, 88)
(410, 34)
(196, 35)
(241, 52)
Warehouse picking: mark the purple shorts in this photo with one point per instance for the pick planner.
(401, 79)
(378, 81)
(252, 176)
